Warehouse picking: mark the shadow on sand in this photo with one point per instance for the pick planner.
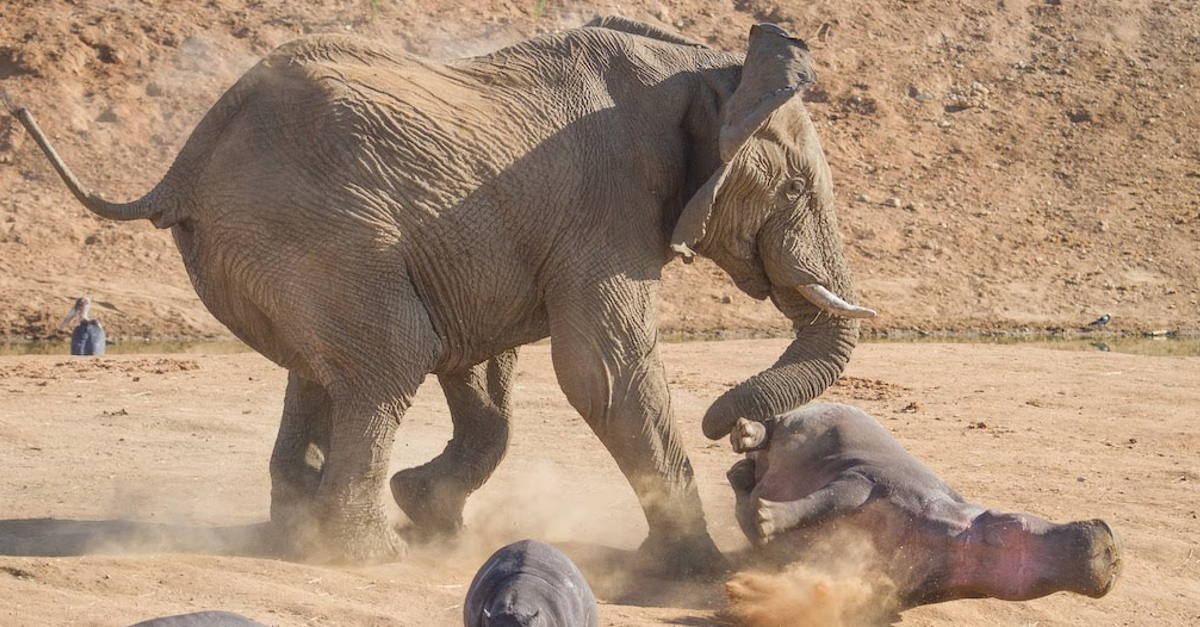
(50, 537)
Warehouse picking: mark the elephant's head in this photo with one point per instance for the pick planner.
(766, 217)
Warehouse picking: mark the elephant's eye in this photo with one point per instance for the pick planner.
(793, 188)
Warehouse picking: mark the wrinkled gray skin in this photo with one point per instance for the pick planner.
(828, 466)
(529, 584)
(201, 619)
(364, 217)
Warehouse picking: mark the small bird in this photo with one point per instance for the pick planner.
(88, 337)
(1101, 321)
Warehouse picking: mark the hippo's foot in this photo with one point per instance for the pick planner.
(693, 557)
(773, 518)
(748, 435)
(433, 504)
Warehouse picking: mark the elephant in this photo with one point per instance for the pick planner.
(364, 217)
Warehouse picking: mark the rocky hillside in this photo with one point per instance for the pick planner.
(1000, 164)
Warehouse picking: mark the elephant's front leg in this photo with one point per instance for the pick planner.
(606, 357)
(299, 454)
(433, 495)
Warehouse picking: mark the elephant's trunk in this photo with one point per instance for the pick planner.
(811, 363)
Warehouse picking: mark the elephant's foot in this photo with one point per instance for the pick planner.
(433, 504)
(293, 498)
(301, 534)
(368, 540)
(692, 557)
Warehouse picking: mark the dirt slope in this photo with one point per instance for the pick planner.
(999, 164)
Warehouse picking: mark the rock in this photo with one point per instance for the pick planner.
(863, 198)
(915, 93)
(893, 202)
(1079, 117)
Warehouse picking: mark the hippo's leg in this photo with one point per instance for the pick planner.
(842, 495)
(741, 478)
(433, 495)
(299, 454)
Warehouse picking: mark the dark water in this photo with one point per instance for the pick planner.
(191, 347)
(1169, 346)
(1157, 346)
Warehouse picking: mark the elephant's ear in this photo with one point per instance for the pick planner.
(777, 67)
(694, 219)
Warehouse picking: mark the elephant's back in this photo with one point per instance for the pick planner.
(334, 109)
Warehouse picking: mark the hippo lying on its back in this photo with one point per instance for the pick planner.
(201, 619)
(829, 464)
(529, 584)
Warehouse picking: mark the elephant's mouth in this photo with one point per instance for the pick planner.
(831, 303)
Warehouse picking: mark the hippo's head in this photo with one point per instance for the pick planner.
(1017, 557)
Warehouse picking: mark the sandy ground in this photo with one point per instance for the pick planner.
(122, 475)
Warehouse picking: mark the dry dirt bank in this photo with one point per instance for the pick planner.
(179, 445)
(1022, 164)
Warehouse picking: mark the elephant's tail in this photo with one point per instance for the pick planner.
(152, 206)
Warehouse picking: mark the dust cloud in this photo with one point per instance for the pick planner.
(545, 503)
(840, 583)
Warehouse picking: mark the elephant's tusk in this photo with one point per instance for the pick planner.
(832, 303)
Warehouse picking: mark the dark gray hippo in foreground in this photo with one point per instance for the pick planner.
(201, 619)
(529, 584)
(830, 466)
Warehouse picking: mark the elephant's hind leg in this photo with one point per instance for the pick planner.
(433, 495)
(299, 454)
(370, 358)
